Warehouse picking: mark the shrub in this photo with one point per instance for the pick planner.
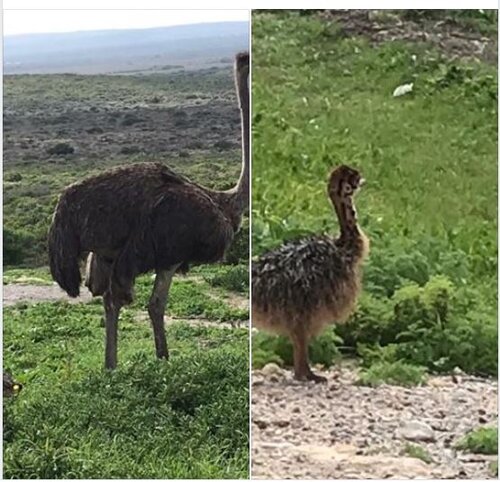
(268, 348)
(60, 149)
(16, 245)
(396, 373)
(233, 278)
(417, 452)
(483, 440)
(13, 177)
(437, 326)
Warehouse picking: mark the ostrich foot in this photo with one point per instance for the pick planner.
(316, 378)
(162, 355)
(310, 376)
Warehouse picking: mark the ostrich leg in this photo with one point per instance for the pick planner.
(112, 309)
(301, 358)
(156, 309)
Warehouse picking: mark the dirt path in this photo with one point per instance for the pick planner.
(340, 430)
(15, 293)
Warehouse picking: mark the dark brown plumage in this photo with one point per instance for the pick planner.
(305, 284)
(142, 217)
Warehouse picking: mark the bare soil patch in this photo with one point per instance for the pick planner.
(16, 293)
(452, 38)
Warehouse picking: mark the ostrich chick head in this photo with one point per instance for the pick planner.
(344, 181)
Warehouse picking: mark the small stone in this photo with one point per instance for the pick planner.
(282, 423)
(262, 424)
(417, 431)
(272, 369)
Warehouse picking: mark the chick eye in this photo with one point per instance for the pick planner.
(347, 188)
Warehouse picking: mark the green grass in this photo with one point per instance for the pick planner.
(28, 91)
(430, 160)
(189, 298)
(396, 373)
(232, 278)
(185, 418)
(417, 452)
(483, 440)
(34, 276)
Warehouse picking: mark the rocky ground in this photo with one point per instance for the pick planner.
(340, 430)
(451, 37)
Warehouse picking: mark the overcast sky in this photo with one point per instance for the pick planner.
(38, 21)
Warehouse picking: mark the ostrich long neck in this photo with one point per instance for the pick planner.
(346, 213)
(244, 101)
(241, 190)
(235, 201)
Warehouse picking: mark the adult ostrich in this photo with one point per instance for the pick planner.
(140, 218)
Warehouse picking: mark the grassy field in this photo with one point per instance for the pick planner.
(320, 99)
(185, 418)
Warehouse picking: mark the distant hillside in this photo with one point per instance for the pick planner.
(111, 51)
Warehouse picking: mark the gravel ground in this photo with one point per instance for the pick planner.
(340, 430)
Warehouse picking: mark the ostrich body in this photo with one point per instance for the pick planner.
(308, 283)
(140, 218)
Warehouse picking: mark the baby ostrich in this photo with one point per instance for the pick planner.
(306, 284)
(140, 218)
(10, 386)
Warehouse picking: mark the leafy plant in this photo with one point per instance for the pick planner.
(483, 440)
(278, 349)
(396, 373)
(417, 452)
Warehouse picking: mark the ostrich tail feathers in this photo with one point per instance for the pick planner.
(63, 254)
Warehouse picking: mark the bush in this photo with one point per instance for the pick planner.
(13, 177)
(417, 452)
(483, 440)
(16, 245)
(233, 278)
(60, 149)
(268, 348)
(396, 373)
(436, 326)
